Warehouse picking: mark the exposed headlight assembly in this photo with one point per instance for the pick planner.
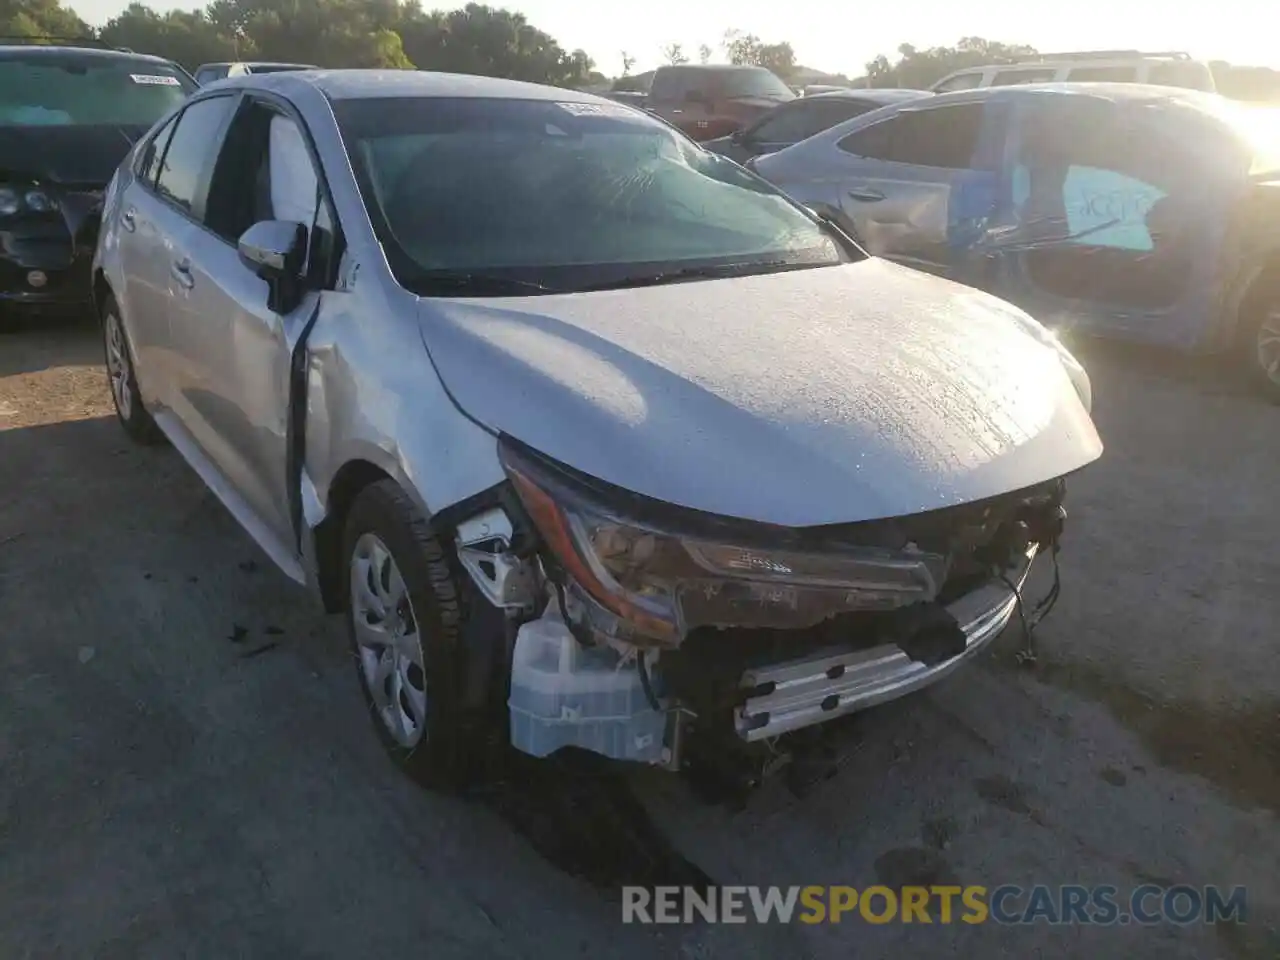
(643, 582)
(38, 201)
(15, 201)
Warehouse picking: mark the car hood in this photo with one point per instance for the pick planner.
(831, 395)
(83, 154)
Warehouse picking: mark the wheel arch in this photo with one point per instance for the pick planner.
(100, 291)
(352, 477)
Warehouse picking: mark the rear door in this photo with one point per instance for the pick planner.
(174, 213)
(919, 186)
(158, 214)
(144, 295)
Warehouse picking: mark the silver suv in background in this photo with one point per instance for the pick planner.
(1163, 69)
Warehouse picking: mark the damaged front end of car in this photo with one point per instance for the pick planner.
(655, 634)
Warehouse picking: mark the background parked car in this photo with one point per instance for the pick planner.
(1142, 212)
(68, 116)
(1173, 69)
(795, 121)
(709, 100)
(209, 72)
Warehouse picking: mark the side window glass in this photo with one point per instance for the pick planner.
(1012, 78)
(786, 124)
(874, 142)
(1085, 176)
(292, 177)
(191, 150)
(1102, 75)
(943, 137)
(963, 81)
(840, 111)
(148, 160)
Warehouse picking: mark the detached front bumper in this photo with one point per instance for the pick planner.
(832, 683)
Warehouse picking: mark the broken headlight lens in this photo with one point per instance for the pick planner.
(642, 582)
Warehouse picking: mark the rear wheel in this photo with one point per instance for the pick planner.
(121, 379)
(404, 620)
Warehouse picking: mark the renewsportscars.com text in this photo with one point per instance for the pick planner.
(1007, 904)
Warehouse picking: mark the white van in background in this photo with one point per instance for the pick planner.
(1167, 69)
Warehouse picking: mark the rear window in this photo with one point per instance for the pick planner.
(1190, 75)
(43, 90)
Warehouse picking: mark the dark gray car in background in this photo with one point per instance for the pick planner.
(803, 118)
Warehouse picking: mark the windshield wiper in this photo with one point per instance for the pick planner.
(448, 283)
(702, 273)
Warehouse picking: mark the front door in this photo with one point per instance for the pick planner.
(265, 172)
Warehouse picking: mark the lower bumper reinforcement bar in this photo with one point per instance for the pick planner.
(830, 684)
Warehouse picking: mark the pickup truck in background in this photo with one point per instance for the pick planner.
(706, 101)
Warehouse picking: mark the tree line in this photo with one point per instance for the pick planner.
(476, 39)
(481, 39)
(920, 69)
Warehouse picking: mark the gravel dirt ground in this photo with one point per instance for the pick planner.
(185, 768)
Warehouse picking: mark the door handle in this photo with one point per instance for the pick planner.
(181, 271)
(127, 220)
(866, 195)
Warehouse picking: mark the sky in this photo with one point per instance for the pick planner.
(842, 37)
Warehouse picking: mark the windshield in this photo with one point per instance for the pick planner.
(563, 195)
(753, 82)
(44, 90)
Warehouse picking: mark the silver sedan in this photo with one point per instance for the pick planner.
(577, 424)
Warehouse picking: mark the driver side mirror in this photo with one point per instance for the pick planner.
(276, 251)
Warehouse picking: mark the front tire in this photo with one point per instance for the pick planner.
(122, 380)
(404, 621)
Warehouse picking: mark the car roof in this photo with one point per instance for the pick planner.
(54, 52)
(885, 95)
(711, 67)
(376, 84)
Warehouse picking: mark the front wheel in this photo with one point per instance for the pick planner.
(404, 620)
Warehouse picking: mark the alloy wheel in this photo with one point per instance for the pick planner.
(388, 641)
(1268, 346)
(118, 367)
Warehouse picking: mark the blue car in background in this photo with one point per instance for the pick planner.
(1120, 210)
